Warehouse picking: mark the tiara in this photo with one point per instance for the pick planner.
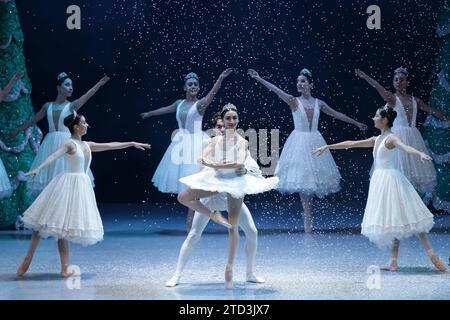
(229, 106)
(402, 71)
(306, 71)
(191, 75)
(62, 75)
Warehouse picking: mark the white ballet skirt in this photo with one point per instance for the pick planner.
(298, 169)
(67, 208)
(180, 158)
(422, 175)
(226, 180)
(5, 185)
(52, 141)
(394, 210)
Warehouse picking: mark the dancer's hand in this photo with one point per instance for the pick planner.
(241, 171)
(360, 74)
(226, 73)
(362, 126)
(18, 76)
(424, 157)
(103, 80)
(32, 172)
(320, 150)
(145, 115)
(253, 74)
(141, 146)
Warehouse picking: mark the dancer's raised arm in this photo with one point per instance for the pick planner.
(77, 104)
(388, 96)
(340, 116)
(206, 101)
(99, 147)
(10, 84)
(286, 97)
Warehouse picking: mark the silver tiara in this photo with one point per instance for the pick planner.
(62, 75)
(402, 71)
(191, 75)
(306, 71)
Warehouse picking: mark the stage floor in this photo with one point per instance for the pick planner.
(142, 242)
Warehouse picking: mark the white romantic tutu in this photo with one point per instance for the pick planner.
(66, 209)
(225, 180)
(179, 160)
(5, 185)
(394, 210)
(50, 144)
(422, 175)
(302, 172)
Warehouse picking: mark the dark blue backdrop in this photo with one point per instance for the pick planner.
(147, 46)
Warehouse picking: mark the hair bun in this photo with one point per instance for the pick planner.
(62, 75)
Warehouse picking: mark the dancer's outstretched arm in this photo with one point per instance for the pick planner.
(164, 110)
(66, 147)
(368, 143)
(35, 119)
(393, 141)
(435, 112)
(99, 147)
(388, 96)
(338, 115)
(286, 97)
(77, 104)
(206, 101)
(10, 84)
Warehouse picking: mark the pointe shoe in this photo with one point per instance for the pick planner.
(172, 282)
(438, 263)
(229, 277)
(254, 279)
(392, 266)
(23, 268)
(217, 217)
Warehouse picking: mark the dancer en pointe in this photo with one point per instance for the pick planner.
(298, 170)
(219, 203)
(421, 174)
(5, 185)
(225, 153)
(66, 209)
(394, 210)
(180, 158)
(55, 112)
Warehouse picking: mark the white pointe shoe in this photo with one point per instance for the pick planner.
(254, 279)
(172, 282)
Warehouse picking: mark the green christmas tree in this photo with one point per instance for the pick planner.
(17, 155)
(437, 132)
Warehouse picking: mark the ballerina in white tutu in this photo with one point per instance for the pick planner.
(5, 185)
(394, 210)
(298, 170)
(55, 112)
(180, 158)
(421, 174)
(219, 203)
(225, 153)
(66, 209)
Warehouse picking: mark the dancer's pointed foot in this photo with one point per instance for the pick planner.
(23, 268)
(254, 279)
(438, 263)
(217, 217)
(65, 273)
(392, 266)
(229, 276)
(172, 282)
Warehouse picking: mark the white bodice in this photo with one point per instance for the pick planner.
(402, 118)
(189, 119)
(80, 161)
(300, 117)
(383, 157)
(51, 123)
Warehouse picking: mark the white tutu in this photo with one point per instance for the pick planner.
(5, 185)
(225, 180)
(52, 141)
(394, 210)
(300, 171)
(179, 160)
(422, 175)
